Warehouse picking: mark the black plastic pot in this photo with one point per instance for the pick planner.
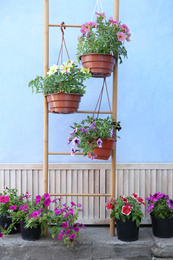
(127, 231)
(162, 228)
(30, 234)
(6, 221)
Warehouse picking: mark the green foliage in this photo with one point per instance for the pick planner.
(102, 38)
(90, 130)
(59, 80)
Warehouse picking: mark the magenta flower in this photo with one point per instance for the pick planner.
(76, 141)
(66, 215)
(76, 229)
(35, 214)
(79, 205)
(99, 143)
(38, 198)
(20, 207)
(46, 196)
(121, 36)
(57, 212)
(72, 203)
(150, 207)
(1, 235)
(27, 195)
(13, 207)
(24, 207)
(67, 232)
(72, 236)
(4, 199)
(47, 202)
(60, 236)
(64, 225)
(170, 203)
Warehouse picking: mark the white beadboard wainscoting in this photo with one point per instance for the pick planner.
(144, 179)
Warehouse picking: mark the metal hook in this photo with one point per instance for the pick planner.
(61, 27)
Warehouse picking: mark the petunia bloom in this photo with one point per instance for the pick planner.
(35, 214)
(76, 141)
(99, 143)
(72, 236)
(65, 67)
(13, 207)
(52, 69)
(121, 36)
(64, 225)
(72, 151)
(126, 210)
(170, 203)
(150, 207)
(1, 235)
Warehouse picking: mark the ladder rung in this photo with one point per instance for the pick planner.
(61, 153)
(65, 25)
(89, 112)
(81, 194)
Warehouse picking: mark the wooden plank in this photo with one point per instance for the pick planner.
(96, 191)
(91, 191)
(125, 183)
(71, 185)
(85, 190)
(102, 190)
(170, 183)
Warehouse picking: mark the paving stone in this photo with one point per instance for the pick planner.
(95, 244)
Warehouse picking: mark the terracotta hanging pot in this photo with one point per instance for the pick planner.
(105, 151)
(63, 103)
(100, 65)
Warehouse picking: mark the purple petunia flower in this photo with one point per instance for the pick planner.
(112, 132)
(79, 205)
(47, 202)
(69, 140)
(76, 141)
(73, 132)
(99, 143)
(83, 130)
(93, 157)
(72, 151)
(93, 126)
(170, 203)
(150, 207)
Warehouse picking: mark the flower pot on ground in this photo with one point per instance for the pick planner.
(64, 103)
(5, 222)
(127, 231)
(104, 152)
(160, 207)
(9, 202)
(162, 228)
(100, 65)
(94, 133)
(128, 215)
(102, 37)
(66, 82)
(30, 234)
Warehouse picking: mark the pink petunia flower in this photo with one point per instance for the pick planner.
(47, 202)
(100, 14)
(1, 235)
(12, 207)
(35, 214)
(60, 236)
(121, 36)
(46, 196)
(125, 28)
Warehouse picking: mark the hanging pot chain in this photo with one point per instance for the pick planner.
(62, 42)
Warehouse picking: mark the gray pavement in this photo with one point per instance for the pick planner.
(95, 243)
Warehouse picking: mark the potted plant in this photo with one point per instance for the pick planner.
(9, 200)
(160, 207)
(127, 213)
(63, 86)
(101, 43)
(33, 216)
(95, 137)
(64, 224)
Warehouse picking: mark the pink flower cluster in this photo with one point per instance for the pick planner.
(4, 199)
(85, 28)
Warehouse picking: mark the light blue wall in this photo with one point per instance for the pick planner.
(145, 80)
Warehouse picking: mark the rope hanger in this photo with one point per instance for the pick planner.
(99, 101)
(97, 7)
(62, 42)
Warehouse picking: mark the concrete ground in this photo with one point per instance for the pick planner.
(95, 243)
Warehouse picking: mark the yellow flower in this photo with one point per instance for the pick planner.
(65, 67)
(85, 70)
(52, 69)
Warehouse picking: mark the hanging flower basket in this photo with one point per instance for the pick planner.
(104, 152)
(100, 65)
(64, 103)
